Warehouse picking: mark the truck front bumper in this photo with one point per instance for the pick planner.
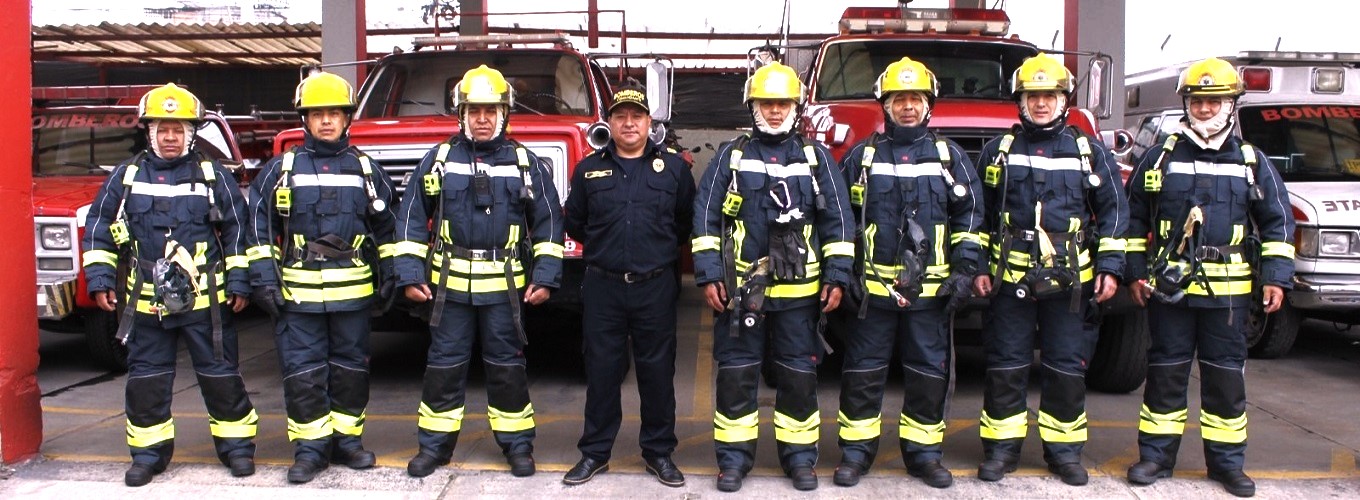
(1325, 292)
(57, 299)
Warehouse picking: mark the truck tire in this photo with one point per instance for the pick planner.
(106, 351)
(1273, 334)
(1120, 361)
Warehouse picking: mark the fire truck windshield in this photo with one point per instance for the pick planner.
(1307, 143)
(970, 70)
(546, 82)
(81, 142)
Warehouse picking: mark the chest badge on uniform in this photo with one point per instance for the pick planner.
(599, 173)
(658, 165)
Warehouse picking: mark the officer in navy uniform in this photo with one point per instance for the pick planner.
(773, 245)
(321, 213)
(920, 207)
(479, 210)
(632, 206)
(1204, 199)
(176, 219)
(1052, 194)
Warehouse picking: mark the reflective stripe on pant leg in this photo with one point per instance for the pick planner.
(440, 421)
(151, 435)
(1164, 408)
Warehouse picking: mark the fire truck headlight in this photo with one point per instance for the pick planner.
(56, 237)
(1328, 80)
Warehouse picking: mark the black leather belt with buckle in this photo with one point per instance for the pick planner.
(629, 277)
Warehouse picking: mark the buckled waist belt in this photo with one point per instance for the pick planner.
(1031, 235)
(480, 254)
(328, 247)
(1217, 254)
(629, 277)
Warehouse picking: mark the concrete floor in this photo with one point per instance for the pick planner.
(1304, 439)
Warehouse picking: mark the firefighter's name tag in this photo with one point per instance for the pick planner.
(599, 173)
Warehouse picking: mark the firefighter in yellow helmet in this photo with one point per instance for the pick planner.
(1056, 215)
(497, 235)
(171, 215)
(773, 243)
(320, 257)
(1187, 250)
(920, 208)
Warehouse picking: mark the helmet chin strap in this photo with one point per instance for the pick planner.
(189, 136)
(765, 127)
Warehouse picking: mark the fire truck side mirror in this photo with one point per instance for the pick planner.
(1099, 84)
(660, 75)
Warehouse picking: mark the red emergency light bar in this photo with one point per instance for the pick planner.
(906, 20)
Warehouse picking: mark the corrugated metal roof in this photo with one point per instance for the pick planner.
(255, 44)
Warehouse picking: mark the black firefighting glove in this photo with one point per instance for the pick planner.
(958, 286)
(268, 298)
(788, 256)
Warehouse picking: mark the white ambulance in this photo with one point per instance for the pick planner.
(1303, 110)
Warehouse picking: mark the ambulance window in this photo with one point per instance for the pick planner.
(1309, 143)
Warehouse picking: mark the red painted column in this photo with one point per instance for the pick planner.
(20, 411)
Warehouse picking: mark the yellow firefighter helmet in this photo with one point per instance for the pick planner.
(1210, 77)
(483, 85)
(774, 81)
(170, 102)
(1042, 72)
(324, 90)
(906, 75)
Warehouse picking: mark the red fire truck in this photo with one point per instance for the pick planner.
(79, 135)
(973, 60)
(561, 95)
